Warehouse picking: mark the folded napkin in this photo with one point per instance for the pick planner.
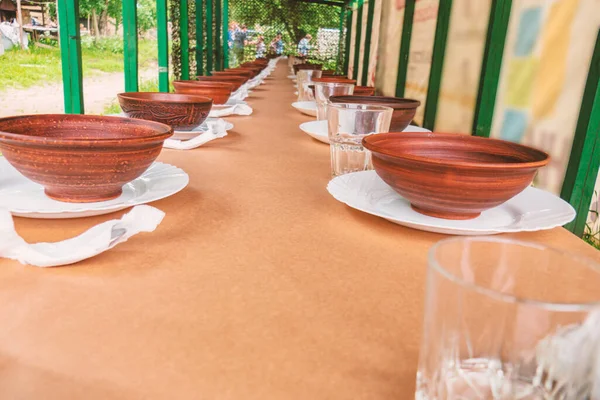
(254, 82)
(92, 242)
(232, 107)
(215, 129)
(240, 94)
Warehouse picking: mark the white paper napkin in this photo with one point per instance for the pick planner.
(216, 129)
(92, 242)
(240, 94)
(232, 107)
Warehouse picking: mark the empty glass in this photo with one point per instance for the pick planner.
(304, 78)
(347, 125)
(324, 90)
(508, 320)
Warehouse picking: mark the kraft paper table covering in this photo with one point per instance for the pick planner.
(256, 285)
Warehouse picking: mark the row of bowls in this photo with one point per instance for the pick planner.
(87, 158)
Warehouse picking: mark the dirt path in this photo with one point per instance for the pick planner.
(98, 92)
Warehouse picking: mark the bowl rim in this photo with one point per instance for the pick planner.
(397, 103)
(368, 143)
(194, 98)
(164, 131)
(205, 84)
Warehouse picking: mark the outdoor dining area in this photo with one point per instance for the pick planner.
(279, 230)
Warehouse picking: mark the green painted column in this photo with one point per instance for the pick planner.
(407, 25)
(184, 26)
(490, 67)
(218, 49)
(437, 63)
(358, 35)
(199, 37)
(163, 45)
(130, 45)
(348, 39)
(225, 34)
(209, 37)
(368, 33)
(70, 54)
(580, 178)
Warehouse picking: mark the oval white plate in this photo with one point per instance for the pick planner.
(531, 210)
(306, 107)
(24, 198)
(318, 130)
(187, 135)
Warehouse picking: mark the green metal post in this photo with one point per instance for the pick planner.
(490, 67)
(580, 179)
(163, 45)
(184, 26)
(437, 63)
(199, 37)
(340, 39)
(357, 41)
(70, 54)
(407, 25)
(218, 49)
(209, 37)
(348, 39)
(130, 45)
(225, 34)
(368, 31)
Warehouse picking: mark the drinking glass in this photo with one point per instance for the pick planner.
(304, 78)
(508, 320)
(324, 90)
(347, 125)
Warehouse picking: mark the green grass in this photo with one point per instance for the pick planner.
(38, 66)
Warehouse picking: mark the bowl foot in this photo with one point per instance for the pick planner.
(82, 196)
(445, 215)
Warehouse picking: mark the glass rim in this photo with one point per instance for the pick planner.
(334, 84)
(367, 107)
(554, 306)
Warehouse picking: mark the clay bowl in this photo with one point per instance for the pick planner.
(218, 91)
(298, 67)
(234, 74)
(334, 80)
(328, 72)
(180, 111)
(453, 176)
(235, 80)
(404, 109)
(364, 91)
(81, 158)
(246, 72)
(256, 69)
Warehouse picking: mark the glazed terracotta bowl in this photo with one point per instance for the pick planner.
(218, 91)
(81, 158)
(236, 80)
(298, 67)
(364, 91)
(453, 176)
(248, 73)
(335, 79)
(182, 112)
(404, 109)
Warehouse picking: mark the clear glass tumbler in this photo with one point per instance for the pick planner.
(324, 90)
(508, 320)
(347, 125)
(304, 78)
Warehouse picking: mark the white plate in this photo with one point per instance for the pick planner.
(531, 210)
(306, 107)
(187, 135)
(24, 198)
(318, 130)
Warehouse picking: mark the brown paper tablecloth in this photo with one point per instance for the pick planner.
(257, 285)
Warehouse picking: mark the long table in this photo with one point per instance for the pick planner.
(257, 285)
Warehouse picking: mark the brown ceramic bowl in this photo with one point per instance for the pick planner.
(453, 176)
(246, 72)
(236, 80)
(298, 67)
(404, 109)
(334, 79)
(181, 111)
(364, 91)
(81, 158)
(218, 91)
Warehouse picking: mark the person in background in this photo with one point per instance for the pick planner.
(261, 48)
(279, 45)
(240, 40)
(304, 46)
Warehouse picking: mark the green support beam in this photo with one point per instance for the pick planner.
(130, 45)
(490, 67)
(348, 39)
(163, 45)
(199, 37)
(218, 49)
(580, 178)
(407, 25)
(209, 37)
(358, 35)
(225, 34)
(184, 26)
(338, 62)
(368, 32)
(70, 54)
(437, 63)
